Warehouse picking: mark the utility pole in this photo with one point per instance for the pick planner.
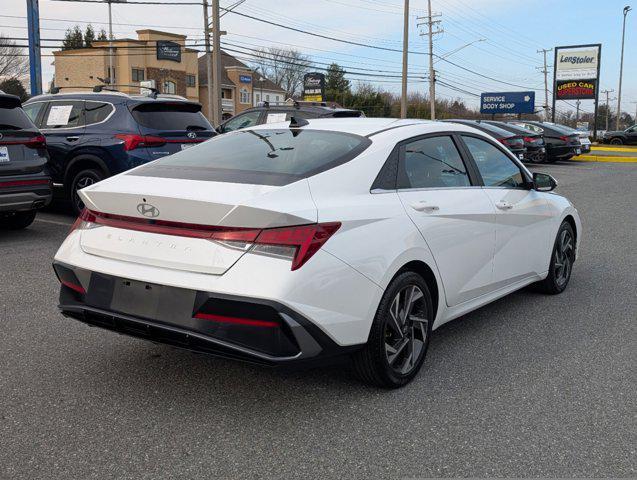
(606, 92)
(577, 104)
(621, 69)
(111, 77)
(545, 71)
(432, 73)
(216, 64)
(206, 32)
(35, 62)
(635, 117)
(403, 98)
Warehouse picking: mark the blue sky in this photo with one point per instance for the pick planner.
(512, 31)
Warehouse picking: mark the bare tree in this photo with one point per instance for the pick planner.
(13, 62)
(284, 67)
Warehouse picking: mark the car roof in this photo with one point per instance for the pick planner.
(367, 126)
(9, 101)
(493, 129)
(320, 109)
(112, 97)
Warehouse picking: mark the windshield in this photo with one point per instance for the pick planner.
(14, 119)
(171, 116)
(262, 157)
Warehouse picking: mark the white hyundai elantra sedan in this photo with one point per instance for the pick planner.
(298, 242)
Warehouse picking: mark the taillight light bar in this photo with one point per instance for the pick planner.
(25, 183)
(39, 141)
(133, 141)
(299, 242)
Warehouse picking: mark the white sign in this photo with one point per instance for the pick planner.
(275, 117)
(146, 86)
(59, 115)
(576, 64)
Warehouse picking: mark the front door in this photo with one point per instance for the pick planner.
(452, 212)
(523, 217)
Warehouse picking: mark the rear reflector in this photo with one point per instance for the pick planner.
(237, 320)
(298, 243)
(73, 286)
(24, 183)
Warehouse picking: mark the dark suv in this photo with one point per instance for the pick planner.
(562, 143)
(91, 136)
(268, 113)
(25, 185)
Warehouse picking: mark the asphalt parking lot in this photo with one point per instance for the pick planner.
(528, 386)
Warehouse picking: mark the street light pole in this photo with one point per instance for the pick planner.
(627, 9)
(216, 64)
(110, 45)
(403, 98)
(206, 32)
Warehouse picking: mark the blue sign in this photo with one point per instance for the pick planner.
(245, 78)
(507, 102)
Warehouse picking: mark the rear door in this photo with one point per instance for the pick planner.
(442, 196)
(63, 127)
(22, 150)
(180, 124)
(523, 218)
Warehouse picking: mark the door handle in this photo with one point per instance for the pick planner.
(422, 206)
(504, 205)
(72, 139)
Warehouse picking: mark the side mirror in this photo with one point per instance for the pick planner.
(219, 129)
(543, 182)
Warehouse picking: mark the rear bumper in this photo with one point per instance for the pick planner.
(20, 198)
(119, 305)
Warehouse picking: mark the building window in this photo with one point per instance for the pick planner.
(245, 96)
(277, 99)
(191, 80)
(267, 98)
(169, 87)
(138, 74)
(258, 98)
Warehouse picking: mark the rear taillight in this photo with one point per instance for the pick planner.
(25, 183)
(530, 139)
(297, 243)
(566, 139)
(39, 141)
(133, 141)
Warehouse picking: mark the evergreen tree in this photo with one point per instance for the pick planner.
(102, 37)
(336, 85)
(14, 86)
(89, 36)
(73, 38)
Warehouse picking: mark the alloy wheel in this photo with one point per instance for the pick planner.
(563, 258)
(81, 183)
(406, 330)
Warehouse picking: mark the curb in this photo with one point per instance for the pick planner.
(604, 159)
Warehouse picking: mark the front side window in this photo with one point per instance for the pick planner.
(495, 167)
(96, 112)
(248, 119)
(262, 157)
(432, 162)
(64, 115)
(169, 87)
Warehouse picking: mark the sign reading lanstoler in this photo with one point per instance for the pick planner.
(167, 50)
(313, 87)
(507, 102)
(576, 64)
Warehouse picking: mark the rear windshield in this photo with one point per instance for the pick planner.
(517, 129)
(263, 157)
(14, 119)
(171, 116)
(495, 130)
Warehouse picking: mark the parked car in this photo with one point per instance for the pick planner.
(25, 185)
(269, 113)
(297, 242)
(91, 136)
(561, 142)
(513, 141)
(533, 142)
(621, 137)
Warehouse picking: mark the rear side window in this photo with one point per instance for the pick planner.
(263, 157)
(432, 162)
(171, 116)
(33, 110)
(14, 119)
(97, 112)
(64, 115)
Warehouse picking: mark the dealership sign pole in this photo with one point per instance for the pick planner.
(576, 75)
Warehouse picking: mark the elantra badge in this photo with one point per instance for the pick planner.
(148, 210)
(192, 135)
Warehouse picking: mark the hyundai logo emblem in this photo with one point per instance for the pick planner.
(192, 135)
(148, 210)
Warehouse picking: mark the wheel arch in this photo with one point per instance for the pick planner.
(84, 161)
(426, 272)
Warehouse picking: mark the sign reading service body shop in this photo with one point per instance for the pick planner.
(507, 102)
(167, 50)
(313, 87)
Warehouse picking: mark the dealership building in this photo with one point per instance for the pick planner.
(162, 60)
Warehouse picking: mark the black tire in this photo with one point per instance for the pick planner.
(538, 157)
(562, 259)
(18, 220)
(82, 179)
(616, 141)
(372, 363)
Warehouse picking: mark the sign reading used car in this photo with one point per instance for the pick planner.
(507, 102)
(575, 89)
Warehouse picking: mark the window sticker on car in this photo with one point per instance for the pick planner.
(59, 115)
(275, 117)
